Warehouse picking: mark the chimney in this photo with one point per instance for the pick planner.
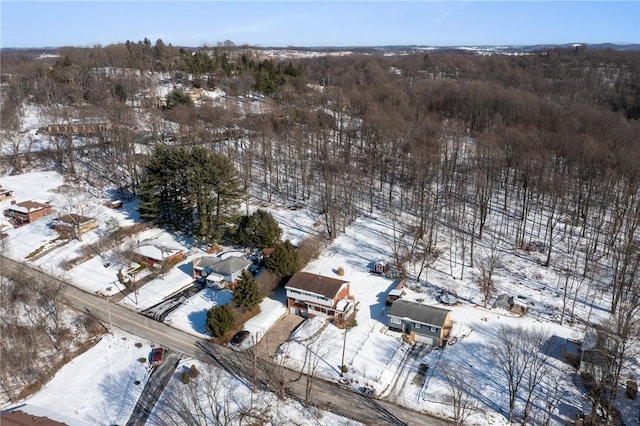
(13, 202)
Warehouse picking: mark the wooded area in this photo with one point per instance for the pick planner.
(544, 144)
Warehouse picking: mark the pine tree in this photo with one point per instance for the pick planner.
(246, 294)
(258, 230)
(191, 189)
(283, 262)
(220, 319)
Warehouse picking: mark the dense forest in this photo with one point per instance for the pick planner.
(545, 146)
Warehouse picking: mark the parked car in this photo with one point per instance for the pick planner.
(367, 391)
(239, 338)
(157, 355)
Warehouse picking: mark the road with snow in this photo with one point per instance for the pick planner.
(325, 395)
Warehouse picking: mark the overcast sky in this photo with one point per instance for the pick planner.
(311, 23)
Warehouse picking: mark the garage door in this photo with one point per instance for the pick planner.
(425, 339)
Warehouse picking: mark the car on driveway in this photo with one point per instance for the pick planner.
(239, 338)
(157, 355)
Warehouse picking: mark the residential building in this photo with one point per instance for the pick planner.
(70, 224)
(157, 254)
(28, 211)
(310, 295)
(214, 271)
(421, 323)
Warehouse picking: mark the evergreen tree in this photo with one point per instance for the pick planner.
(246, 294)
(177, 97)
(283, 262)
(220, 319)
(191, 189)
(258, 230)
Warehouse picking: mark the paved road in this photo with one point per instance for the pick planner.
(326, 395)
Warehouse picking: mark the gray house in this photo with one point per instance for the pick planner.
(214, 271)
(421, 323)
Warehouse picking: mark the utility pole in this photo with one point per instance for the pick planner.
(344, 347)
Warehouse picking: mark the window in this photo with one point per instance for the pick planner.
(417, 325)
(434, 330)
(395, 320)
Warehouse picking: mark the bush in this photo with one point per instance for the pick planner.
(220, 319)
(138, 345)
(340, 271)
(185, 378)
(142, 360)
(193, 372)
(310, 249)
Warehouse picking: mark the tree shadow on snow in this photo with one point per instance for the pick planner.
(198, 319)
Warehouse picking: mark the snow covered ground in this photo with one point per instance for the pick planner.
(376, 358)
(99, 387)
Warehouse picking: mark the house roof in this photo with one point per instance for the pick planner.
(20, 418)
(418, 312)
(318, 284)
(503, 301)
(72, 219)
(156, 250)
(227, 266)
(28, 206)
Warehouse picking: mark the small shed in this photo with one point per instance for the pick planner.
(511, 304)
(503, 301)
(381, 267)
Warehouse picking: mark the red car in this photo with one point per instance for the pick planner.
(156, 356)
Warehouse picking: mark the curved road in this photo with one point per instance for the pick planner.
(325, 395)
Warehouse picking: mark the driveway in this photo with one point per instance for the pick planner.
(279, 333)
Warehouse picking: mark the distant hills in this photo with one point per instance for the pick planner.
(397, 49)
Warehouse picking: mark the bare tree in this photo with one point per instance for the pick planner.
(518, 359)
(210, 398)
(486, 265)
(537, 366)
(464, 405)
(554, 389)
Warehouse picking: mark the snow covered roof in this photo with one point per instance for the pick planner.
(318, 284)
(156, 250)
(418, 312)
(343, 304)
(227, 266)
(28, 206)
(214, 278)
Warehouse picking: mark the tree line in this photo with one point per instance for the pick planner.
(542, 145)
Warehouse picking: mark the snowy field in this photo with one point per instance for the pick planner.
(99, 387)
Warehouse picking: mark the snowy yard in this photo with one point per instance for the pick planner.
(99, 387)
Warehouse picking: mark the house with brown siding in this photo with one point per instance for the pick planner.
(70, 224)
(28, 211)
(310, 295)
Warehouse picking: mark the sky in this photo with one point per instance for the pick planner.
(28, 23)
